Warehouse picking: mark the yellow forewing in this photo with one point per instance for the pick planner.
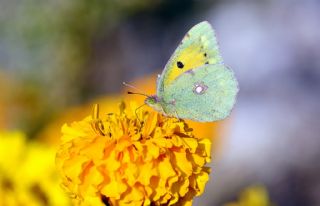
(197, 48)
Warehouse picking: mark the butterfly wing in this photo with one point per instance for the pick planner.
(198, 47)
(203, 94)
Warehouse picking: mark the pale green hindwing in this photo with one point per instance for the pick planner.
(198, 47)
(203, 94)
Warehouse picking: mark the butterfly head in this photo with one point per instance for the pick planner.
(154, 102)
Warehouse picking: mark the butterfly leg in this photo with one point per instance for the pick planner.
(173, 112)
(176, 115)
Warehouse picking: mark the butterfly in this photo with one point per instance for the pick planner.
(195, 84)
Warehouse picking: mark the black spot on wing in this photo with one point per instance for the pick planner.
(180, 64)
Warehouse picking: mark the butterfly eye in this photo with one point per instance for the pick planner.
(180, 64)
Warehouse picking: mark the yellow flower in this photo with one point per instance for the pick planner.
(255, 195)
(136, 157)
(27, 173)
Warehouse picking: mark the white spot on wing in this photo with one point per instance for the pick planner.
(200, 88)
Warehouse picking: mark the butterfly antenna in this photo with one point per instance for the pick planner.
(135, 88)
(138, 93)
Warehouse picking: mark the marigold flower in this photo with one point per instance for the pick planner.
(136, 157)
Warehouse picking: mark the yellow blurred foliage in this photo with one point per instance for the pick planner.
(255, 195)
(27, 173)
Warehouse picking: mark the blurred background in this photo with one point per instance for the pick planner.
(57, 54)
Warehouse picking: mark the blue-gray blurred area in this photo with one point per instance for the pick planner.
(63, 53)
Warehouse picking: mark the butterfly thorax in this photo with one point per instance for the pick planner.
(154, 102)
